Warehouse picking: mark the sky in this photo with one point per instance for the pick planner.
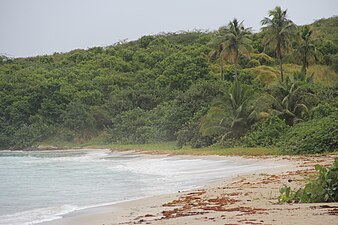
(39, 27)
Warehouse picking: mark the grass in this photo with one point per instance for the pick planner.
(323, 74)
(171, 149)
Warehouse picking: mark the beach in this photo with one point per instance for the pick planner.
(247, 198)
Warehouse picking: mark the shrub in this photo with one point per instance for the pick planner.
(314, 136)
(324, 188)
(28, 135)
(265, 133)
(190, 134)
(323, 110)
(126, 127)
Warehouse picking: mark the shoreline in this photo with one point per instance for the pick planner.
(151, 210)
(224, 200)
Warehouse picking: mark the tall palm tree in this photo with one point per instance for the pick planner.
(278, 32)
(306, 49)
(237, 41)
(218, 50)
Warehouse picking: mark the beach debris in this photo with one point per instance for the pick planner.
(333, 212)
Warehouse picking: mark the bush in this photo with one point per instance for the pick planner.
(127, 126)
(28, 135)
(314, 136)
(322, 189)
(190, 133)
(78, 117)
(265, 133)
(323, 110)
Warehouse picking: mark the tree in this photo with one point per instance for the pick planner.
(278, 33)
(306, 49)
(237, 41)
(218, 50)
(230, 42)
(232, 115)
(288, 104)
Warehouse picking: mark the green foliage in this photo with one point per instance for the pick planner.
(180, 71)
(265, 133)
(163, 88)
(305, 49)
(28, 135)
(244, 77)
(77, 117)
(232, 115)
(278, 33)
(253, 63)
(334, 62)
(190, 133)
(314, 136)
(324, 188)
(231, 42)
(128, 126)
(262, 58)
(323, 110)
(289, 103)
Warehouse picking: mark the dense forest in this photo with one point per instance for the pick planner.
(275, 88)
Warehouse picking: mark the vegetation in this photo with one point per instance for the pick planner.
(323, 188)
(315, 136)
(237, 41)
(228, 88)
(306, 48)
(278, 33)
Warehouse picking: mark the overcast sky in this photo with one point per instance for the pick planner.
(38, 27)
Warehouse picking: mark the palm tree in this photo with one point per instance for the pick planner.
(278, 32)
(306, 49)
(288, 103)
(218, 51)
(237, 41)
(230, 116)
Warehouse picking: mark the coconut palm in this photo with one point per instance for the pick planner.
(232, 115)
(306, 49)
(218, 50)
(278, 33)
(237, 41)
(288, 104)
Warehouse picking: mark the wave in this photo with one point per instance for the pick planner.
(37, 215)
(71, 156)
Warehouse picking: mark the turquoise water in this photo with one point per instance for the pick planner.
(44, 185)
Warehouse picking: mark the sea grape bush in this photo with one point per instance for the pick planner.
(324, 188)
(314, 136)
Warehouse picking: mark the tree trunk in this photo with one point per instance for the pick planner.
(221, 67)
(279, 54)
(236, 78)
(305, 65)
(281, 68)
(235, 65)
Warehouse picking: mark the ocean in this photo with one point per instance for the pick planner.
(39, 186)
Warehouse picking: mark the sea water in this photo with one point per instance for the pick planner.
(40, 186)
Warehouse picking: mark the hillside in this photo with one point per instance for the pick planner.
(160, 88)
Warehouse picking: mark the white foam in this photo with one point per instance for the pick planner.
(93, 156)
(36, 215)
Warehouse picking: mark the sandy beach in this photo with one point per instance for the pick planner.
(243, 199)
